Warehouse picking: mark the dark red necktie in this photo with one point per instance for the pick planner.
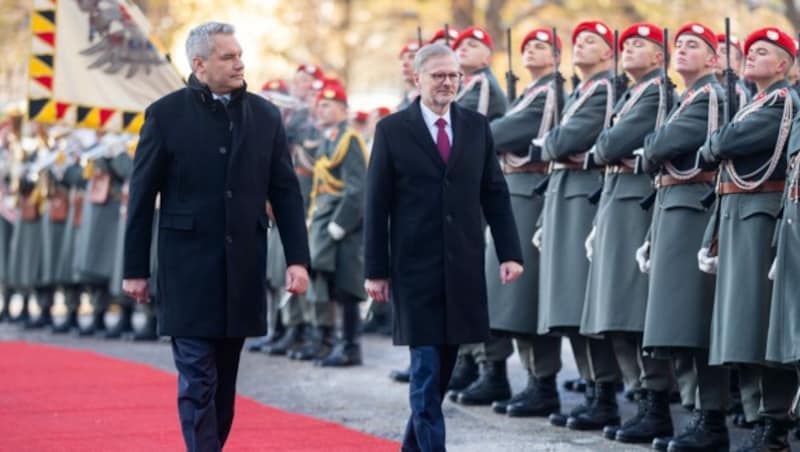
(442, 140)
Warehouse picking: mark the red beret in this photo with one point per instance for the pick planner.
(440, 34)
(642, 30)
(410, 47)
(476, 33)
(702, 32)
(312, 70)
(382, 111)
(360, 116)
(596, 27)
(540, 34)
(735, 42)
(332, 89)
(772, 35)
(276, 84)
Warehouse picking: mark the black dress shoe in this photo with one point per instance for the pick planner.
(401, 375)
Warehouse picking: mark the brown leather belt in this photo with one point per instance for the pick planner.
(532, 167)
(618, 169)
(559, 166)
(770, 186)
(301, 171)
(665, 180)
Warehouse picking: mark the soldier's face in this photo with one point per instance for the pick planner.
(223, 71)
(330, 112)
(722, 59)
(693, 55)
(765, 61)
(640, 55)
(438, 80)
(302, 84)
(407, 66)
(473, 54)
(590, 49)
(537, 55)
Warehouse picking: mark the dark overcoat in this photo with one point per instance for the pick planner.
(214, 167)
(434, 251)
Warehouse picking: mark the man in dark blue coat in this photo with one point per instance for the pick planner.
(215, 154)
(433, 173)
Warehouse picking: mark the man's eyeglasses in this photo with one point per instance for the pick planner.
(439, 77)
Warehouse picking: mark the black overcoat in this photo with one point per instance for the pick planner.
(214, 167)
(434, 250)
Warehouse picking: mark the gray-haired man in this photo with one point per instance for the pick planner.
(215, 154)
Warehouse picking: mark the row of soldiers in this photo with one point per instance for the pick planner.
(61, 224)
(662, 231)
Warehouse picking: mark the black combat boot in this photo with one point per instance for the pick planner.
(542, 402)
(772, 435)
(290, 341)
(465, 372)
(500, 406)
(710, 434)
(560, 419)
(657, 421)
(317, 345)
(346, 352)
(401, 375)
(575, 385)
(603, 411)
(662, 442)
(262, 343)
(491, 385)
(639, 396)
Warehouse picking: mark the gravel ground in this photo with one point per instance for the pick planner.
(365, 399)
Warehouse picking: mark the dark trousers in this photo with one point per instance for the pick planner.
(206, 389)
(431, 367)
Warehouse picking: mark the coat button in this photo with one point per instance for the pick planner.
(228, 194)
(223, 150)
(228, 239)
(449, 218)
(789, 221)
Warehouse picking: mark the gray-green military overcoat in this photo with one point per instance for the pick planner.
(497, 101)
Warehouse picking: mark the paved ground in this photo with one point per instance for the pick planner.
(365, 399)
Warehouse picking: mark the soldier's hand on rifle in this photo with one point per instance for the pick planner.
(377, 289)
(643, 257)
(335, 231)
(137, 288)
(537, 239)
(296, 279)
(706, 262)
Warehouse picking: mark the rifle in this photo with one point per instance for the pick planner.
(666, 82)
(419, 36)
(511, 79)
(558, 82)
(731, 80)
(447, 34)
(620, 81)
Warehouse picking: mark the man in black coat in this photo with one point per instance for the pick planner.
(432, 260)
(214, 153)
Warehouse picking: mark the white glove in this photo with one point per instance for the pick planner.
(589, 244)
(773, 269)
(537, 239)
(707, 263)
(336, 232)
(643, 257)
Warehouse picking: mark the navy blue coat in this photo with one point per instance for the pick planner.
(214, 167)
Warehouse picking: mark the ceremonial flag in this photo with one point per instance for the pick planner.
(93, 64)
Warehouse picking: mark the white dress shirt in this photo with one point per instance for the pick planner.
(430, 119)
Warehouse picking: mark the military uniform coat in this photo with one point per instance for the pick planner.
(433, 253)
(343, 258)
(65, 265)
(470, 97)
(745, 229)
(123, 166)
(783, 340)
(616, 291)
(214, 167)
(25, 253)
(679, 293)
(514, 307)
(567, 214)
(53, 233)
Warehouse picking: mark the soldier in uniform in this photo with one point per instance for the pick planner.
(567, 215)
(480, 375)
(335, 217)
(410, 91)
(616, 292)
(750, 150)
(513, 309)
(444, 36)
(736, 64)
(679, 294)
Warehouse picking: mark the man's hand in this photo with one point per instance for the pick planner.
(137, 288)
(296, 279)
(510, 271)
(377, 289)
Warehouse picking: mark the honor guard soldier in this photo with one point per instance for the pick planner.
(679, 294)
(513, 309)
(736, 64)
(410, 91)
(751, 151)
(480, 92)
(616, 292)
(10, 129)
(335, 217)
(567, 215)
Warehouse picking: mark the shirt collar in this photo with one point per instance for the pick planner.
(430, 117)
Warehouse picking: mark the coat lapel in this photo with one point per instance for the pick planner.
(420, 132)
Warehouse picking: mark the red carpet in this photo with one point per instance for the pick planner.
(56, 399)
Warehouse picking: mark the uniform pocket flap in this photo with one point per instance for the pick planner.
(764, 204)
(181, 222)
(685, 196)
(633, 187)
(581, 184)
(523, 184)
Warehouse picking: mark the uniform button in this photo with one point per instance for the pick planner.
(449, 218)
(228, 239)
(789, 221)
(228, 194)
(223, 150)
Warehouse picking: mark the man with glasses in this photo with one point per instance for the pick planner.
(434, 176)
